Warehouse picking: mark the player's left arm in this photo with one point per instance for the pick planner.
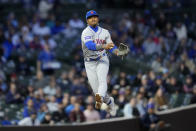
(115, 50)
(109, 40)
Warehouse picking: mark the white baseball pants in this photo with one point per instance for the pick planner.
(97, 72)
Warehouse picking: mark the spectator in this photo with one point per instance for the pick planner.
(22, 46)
(40, 93)
(2, 36)
(173, 86)
(22, 66)
(70, 107)
(137, 47)
(6, 122)
(141, 103)
(29, 94)
(91, 114)
(51, 89)
(12, 19)
(47, 119)
(59, 116)
(158, 84)
(130, 109)
(122, 80)
(160, 100)
(42, 112)
(156, 64)
(149, 46)
(181, 47)
(137, 80)
(114, 92)
(128, 93)
(69, 32)
(47, 39)
(194, 76)
(192, 52)
(51, 21)
(29, 121)
(188, 86)
(90, 100)
(169, 33)
(38, 99)
(29, 109)
(46, 61)
(64, 82)
(188, 62)
(188, 89)
(193, 98)
(161, 21)
(121, 101)
(75, 22)
(44, 7)
(58, 95)
(39, 81)
(3, 85)
(26, 34)
(183, 69)
(144, 92)
(78, 88)
(181, 31)
(41, 29)
(57, 28)
(76, 114)
(35, 43)
(13, 97)
(52, 105)
(151, 122)
(65, 101)
(7, 47)
(151, 103)
(16, 39)
(145, 88)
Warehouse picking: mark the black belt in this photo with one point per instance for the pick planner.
(94, 59)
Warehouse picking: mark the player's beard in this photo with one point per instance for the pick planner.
(94, 25)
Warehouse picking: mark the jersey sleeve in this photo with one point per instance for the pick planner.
(86, 36)
(108, 37)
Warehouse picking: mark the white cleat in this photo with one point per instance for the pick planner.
(112, 107)
(98, 100)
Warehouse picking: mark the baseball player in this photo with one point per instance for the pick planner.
(96, 42)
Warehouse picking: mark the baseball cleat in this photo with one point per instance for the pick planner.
(98, 100)
(112, 108)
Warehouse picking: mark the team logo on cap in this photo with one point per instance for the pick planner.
(91, 12)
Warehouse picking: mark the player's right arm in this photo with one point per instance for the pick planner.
(87, 38)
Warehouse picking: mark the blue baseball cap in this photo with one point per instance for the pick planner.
(91, 13)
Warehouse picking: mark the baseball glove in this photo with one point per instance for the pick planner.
(123, 50)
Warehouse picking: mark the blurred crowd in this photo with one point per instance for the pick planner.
(29, 65)
(170, 5)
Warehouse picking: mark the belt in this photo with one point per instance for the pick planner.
(94, 59)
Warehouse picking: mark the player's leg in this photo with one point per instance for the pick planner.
(102, 72)
(92, 75)
(93, 80)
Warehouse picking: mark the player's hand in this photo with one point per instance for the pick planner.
(108, 46)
